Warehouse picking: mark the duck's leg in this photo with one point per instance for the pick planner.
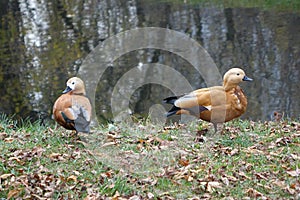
(215, 127)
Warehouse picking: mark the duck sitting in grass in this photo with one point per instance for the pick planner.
(72, 109)
(217, 104)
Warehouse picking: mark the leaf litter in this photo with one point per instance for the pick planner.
(144, 161)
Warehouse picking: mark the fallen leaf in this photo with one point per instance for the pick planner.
(116, 196)
(231, 178)
(150, 195)
(254, 193)
(183, 162)
(135, 197)
(72, 178)
(5, 176)
(54, 155)
(15, 158)
(242, 174)
(280, 184)
(260, 176)
(290, 190)
(234, 152)
(225, 180)
(3, 135)
(212, 185)
(13, 193)
(48, 194)
(295, 157)
(109, 144)
(9, 139)
(294, 173)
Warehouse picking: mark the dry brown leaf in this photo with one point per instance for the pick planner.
(13, 193)
(225, 180)
(254, 150)
(48, 194)
(295, 157)
(5, 176)
(231, 178)
(183, 162)
(189, 178)
(150, 195)
(72, 178)
(3, 135)
(9, 139)
(15, 158)
(134, 197)
(280, 184)
(283, 140)
(116, 196)
(260, 176)
(294, 173)
(234, 152)
(108, 144)
(54, 155)
(38, 151)
(242, 174)
(77, 173)
(149, 180)
(38, 197)
(90, 197)
(254, 193)
(211, 186)
(290, 190)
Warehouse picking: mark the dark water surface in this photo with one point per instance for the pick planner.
(44, 42)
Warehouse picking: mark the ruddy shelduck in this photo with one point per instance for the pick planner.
(217, 104)
(72, 109)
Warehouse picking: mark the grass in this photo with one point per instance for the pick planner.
(246, 159)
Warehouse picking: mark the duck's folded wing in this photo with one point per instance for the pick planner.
(206, 97)
(82, 110)
(81, 105)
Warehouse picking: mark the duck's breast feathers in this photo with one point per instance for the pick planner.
(238, 99)
(61, 104)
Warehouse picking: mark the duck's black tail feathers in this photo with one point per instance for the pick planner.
(170, 100)
(196, 110)
(174, 109)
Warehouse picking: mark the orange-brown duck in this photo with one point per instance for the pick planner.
(217, 104)
(72, 109)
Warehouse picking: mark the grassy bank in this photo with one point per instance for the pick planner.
(145, 161)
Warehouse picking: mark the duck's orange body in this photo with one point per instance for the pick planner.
(72, 109)
(216, 104)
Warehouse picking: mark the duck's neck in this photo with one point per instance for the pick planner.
(228, 86)
(78, 93)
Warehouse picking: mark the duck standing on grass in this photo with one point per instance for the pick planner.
(72, 109)
(217, 104)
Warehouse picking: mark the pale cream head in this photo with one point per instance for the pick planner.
(75, 85)
(233, 77)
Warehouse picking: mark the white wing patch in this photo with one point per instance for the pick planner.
(207, 107)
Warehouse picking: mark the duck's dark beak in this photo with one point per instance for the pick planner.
(246, 78)
(68, 89)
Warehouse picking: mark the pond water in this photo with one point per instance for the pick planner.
(44, 42)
